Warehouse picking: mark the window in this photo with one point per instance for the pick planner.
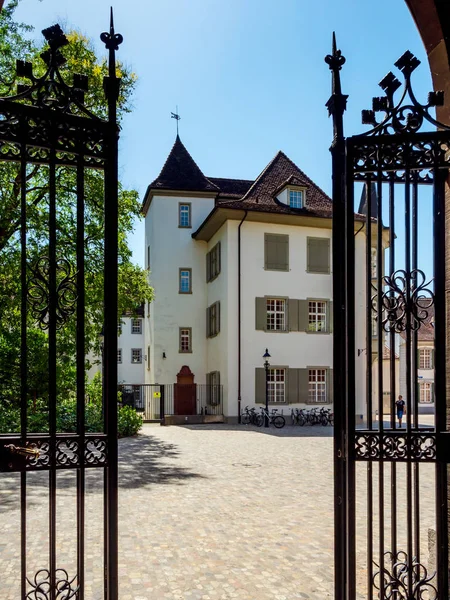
(317, 392)
(213, 263)
(136, 356)
(317, 316)
(119, 355)
(276, 383)
(374, 326)
(213, 319)
(185, 277)
(184, 215)
(318, 255)
(296, 198)
(276, 314)
(136, 325)
(425, 358)
(119, 328)
(148, 358)
(426, 392)
(213, 389)
(373, 263)
(276, 252)
(185, 339)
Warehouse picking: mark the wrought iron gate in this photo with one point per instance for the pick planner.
(47, 125)
(390, 481)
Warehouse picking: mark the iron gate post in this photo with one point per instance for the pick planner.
(162, 408)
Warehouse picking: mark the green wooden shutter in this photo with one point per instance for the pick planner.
(303, 315)
(303, 385)
(219, 259)
(260, 386)
(330, 317)
(432, 359)
(418, 358)
(292, 386)
(276, 252)
(208, 266)
(432, 393)
(318, 255)
(292, 315)
(330, 385)
(261, 313)
(217, 317)
(208, 322)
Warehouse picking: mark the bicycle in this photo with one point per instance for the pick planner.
(298, 416)
(251, 417)
(277, 421)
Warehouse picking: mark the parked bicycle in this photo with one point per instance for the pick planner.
(315, 416)
(249, 416)
(277, 421)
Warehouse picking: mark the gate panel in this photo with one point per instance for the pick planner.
(390, 470)
(46, 126)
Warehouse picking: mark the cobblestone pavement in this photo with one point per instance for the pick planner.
(206, 513)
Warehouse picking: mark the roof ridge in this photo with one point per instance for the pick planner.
(266, 168)
(308, 179)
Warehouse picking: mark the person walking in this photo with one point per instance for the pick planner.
(400, 405)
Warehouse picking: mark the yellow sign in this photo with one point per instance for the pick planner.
(156, 394)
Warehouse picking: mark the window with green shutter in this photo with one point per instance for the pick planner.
(318, 255)
(213, 263)
(213, 319)
(276, 252)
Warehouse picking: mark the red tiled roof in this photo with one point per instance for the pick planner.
(231, 188)
(387, 353)
(425, 333)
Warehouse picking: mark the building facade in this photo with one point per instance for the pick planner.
(239, 266)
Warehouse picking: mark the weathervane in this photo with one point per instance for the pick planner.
(175, 116)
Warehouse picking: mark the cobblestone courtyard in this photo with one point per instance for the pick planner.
(206, 512)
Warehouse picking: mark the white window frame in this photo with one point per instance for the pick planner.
(276, 385)
(296, 198)
(119, 356)
(185, 274)
(373, 263)
(138, 359)
(425, 390)
(276, 314)
(184, 210)
(317, 316)
(189, 338)
(425, 358)
(317, 386)
(136, 326)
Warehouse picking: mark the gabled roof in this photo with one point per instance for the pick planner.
(231, 188)
(180, 172)
(281, 171)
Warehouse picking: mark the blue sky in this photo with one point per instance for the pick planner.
(248, 77)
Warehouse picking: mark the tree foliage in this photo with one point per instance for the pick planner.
(133, 281)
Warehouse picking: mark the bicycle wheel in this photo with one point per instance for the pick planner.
(302, 420)
(279, 421)
(245, 419)
(259, 420)
(324, 420)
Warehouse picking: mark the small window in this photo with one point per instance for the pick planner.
(425, 358)
(119, 355)
(276, 252)
(276, 383)
(136, 325)
(426, 392)
(185, 339)
(185, 285)
(213, 263)
(213, 319)
(318, 255)
(317, 316)
(317, 392)
(184, 215)
(136, 356)
(373, 263)
(276, 314)
(296, 198)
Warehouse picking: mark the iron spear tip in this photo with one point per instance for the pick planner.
(111, 22)
(334, 47)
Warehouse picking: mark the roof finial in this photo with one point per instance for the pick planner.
(175, 116)
(111, 22)
(337, 102)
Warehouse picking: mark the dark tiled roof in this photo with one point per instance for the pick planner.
(180, 172)
(425, 333)
(231, 188)
(373, 201)
(279, 172)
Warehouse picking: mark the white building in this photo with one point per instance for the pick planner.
(239, 266)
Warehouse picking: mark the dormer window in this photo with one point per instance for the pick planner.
(296, 198)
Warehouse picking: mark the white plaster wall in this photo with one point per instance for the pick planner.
(283, 196)
(127, 372)
(172, 248)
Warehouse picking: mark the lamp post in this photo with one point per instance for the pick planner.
(266, 357)
(101, 342)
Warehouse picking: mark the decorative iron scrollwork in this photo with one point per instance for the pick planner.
(367, 446)
(401, 310)
(41, 586)
(95, 454)
(39, 293)
(395, 446)
(67, 452)
(399, 577)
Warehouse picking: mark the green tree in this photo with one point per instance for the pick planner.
(133, 281)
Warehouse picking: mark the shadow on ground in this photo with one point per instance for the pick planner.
(287, 431)
(143, 460)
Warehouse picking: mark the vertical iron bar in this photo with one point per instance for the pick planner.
(80, 375)
(409, 509)
(162, 407)
(23, 362)
(414, 366)
(379, 263)
(392, 367)
(440, 177)
(52, 392)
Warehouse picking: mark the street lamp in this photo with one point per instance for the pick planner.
(101, 343)
(266, 357)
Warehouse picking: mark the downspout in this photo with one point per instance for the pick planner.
(239, 316)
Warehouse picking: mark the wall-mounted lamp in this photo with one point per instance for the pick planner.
(164, 355)
(360, 351)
